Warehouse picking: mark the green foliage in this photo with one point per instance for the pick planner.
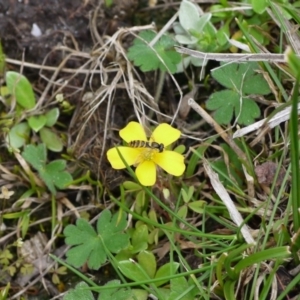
(93, 247)
(182, 289)
(51, 140)
(259, 6)
(197, 31)
(108, 3)
(117, 294)
(145, 268)
(229, 168)
(149, 59)
(4, 292)
(19, 86)
(37, 122)
(188, 195)
(52, 174)
(240, 80)
(5, 257)
(2, 61)
(294, 63)
(81, 291)
(18, 135)
(48, 119)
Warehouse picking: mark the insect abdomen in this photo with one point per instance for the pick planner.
(144, 144)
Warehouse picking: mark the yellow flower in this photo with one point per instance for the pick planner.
(145, 156)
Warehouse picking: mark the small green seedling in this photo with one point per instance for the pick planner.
(20, 88)
(188, 195)
(197, 31)
(241, 80)
(52, 174)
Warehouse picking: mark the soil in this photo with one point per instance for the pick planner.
(57, 21)
(60, 23)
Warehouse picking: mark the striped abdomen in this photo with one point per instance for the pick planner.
(144, 144)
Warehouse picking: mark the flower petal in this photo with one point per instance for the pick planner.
(171, 161)
(166, 134)
(130, 155)
(132, 132)
(146, 173)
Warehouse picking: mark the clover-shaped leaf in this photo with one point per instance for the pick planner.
(113, 293)
(81, 291)
(147, 59)
(52, 116)
(91, 246)
(52, 174)
(35, 155)
(37, 122)
(241, 80)
(18, 135)
(51, 139)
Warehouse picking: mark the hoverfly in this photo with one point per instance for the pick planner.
(144, 144)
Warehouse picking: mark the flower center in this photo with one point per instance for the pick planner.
(146, 154)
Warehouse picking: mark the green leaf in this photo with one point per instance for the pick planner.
(259, 6)
(20, 87)
(279, 253)
(179, 287)
(139, 294)
(131, 186)
(2, 61)
(197, 206)
(166, 270)
(248, 112)
(294, 63)
(241, 80)
(242, 77)
(189, 17)
(92, 246)
(36, 122)
(81, 291)
(234, 167)
(52, 174)
(187, 195)
(147, 261)
(18, 135)
(51, 139)
(223, 102)
(52, 116)
(182, 212)
(36, 156)
(114, 293)
(147, 59)
(139, 239)
(133, 270)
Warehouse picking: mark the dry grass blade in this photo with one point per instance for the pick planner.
(224, 196)
(280, 117)
(233, 57)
